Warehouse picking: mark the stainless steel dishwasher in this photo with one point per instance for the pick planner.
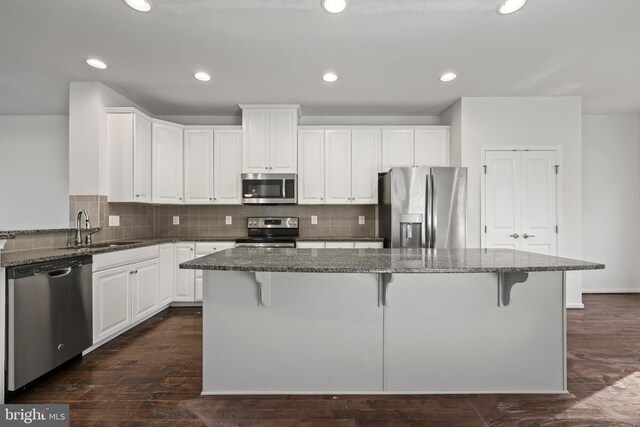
(49, 317)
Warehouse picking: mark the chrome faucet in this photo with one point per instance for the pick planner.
(78, 239)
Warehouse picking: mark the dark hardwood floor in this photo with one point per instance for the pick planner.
(151, 376)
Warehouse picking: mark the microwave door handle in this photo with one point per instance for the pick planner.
(283, 187)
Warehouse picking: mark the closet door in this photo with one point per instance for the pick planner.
(503, 205)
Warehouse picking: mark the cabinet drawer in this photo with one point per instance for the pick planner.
(368, 245)
(124, 257)
(338, 245)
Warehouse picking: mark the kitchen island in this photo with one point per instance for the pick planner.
(384, 321)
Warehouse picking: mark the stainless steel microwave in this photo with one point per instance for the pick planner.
(269, 188)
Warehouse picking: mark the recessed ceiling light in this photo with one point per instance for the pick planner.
(507, 7)
(139, 5)
(330, 77)
(447, 77)
(96, 63)
(202, 76)
(334, 6)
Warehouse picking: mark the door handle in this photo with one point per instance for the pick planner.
(60, 273)
(515, 235)
(526, 236)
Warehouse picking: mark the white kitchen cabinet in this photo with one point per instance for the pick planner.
(368, 245)
(423, 146)
(311, 167)
(144, 289)
(166, 273)
(183, 289)
(167, 166)
(227, 167)
(204, 249)
(397, 148)
(339, 245)
(310, 245)
(129, 144)
(337, 176)
(365, 157)
(198, 166)
(432, 147)
(111, 301)
(269, 140)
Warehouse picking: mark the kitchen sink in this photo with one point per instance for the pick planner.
(105, 245)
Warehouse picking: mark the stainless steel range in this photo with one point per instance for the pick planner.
(270, 232)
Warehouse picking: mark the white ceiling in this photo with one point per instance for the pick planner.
(388, 54)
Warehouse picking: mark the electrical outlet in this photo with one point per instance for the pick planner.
(114, 221)
(314, 220)
(228, 220)
(361, 220)
(176, 220)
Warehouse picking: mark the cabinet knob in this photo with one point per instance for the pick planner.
(321, 198)
(514, 235)
(137, 195)
(210, 198)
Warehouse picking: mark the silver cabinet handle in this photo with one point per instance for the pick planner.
(514, 235)
(526, 236)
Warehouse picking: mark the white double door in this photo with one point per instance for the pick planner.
(521, 208)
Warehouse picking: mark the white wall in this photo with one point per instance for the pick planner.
(34, 170)
(453, 117)
(611, 201)
(526, 121)
(88, 152)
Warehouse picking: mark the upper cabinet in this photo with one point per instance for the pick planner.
(167, 165)
(212, 166)
(269, 140)
(129, 142)
(424, 146)
(338, 166)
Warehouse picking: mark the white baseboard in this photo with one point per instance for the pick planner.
(575, 305)
(186, 304)
(611, 291)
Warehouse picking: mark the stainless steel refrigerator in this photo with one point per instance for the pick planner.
(423, 207)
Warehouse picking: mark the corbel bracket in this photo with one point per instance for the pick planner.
(263, 279)
(383, 295)
(505, 283)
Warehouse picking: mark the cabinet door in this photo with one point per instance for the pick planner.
(111, 302)
(311, 167)
(144, 289)
(227, 167)
(142, 159)
(166, 272)
(167, 148)
(397, 148)
(432, 147)
(255, 140)
(283, 141)
(337, 175)
(120, 135)
(198, 166)
(184, 279)
(365, 149)
(338, 245)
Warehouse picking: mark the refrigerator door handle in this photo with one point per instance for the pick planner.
(434, 215)
(409, 234)
(428, 224)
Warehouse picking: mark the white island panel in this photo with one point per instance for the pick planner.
(315, 335)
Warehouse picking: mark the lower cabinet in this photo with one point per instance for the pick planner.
(123, 295)
(340, 245)
(183, 286)
(204, 249)
(166, 273)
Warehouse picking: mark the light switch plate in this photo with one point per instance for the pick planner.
(176, 220)
(114, 221)
(228, 220)
(361, 220)
(314, 220)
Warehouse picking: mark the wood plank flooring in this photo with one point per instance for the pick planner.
(151, 376)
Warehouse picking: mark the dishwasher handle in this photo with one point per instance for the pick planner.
(59, 273)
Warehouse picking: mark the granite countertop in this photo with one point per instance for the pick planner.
(23, 257)
(385, 261)
(16, 258)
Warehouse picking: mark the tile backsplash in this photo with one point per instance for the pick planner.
(141, 221)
